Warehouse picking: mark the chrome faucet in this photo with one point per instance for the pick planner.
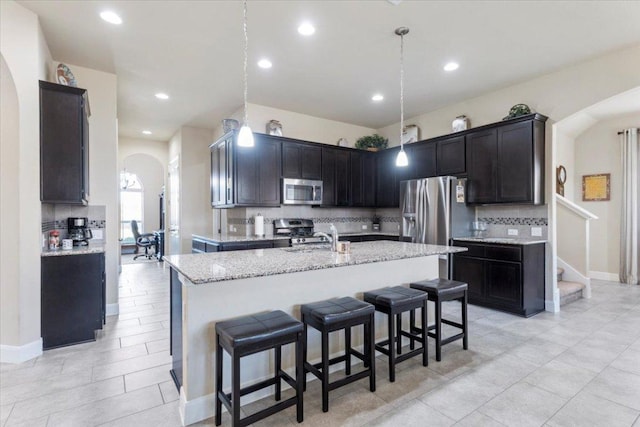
(323, 235)
(334, 238)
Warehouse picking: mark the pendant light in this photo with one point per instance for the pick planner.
(402, 160)
(245, 136)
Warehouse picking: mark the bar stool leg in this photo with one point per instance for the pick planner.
(235, 389)
(219, 356)
(347, 350)
(412, 326)
(465, 343)
(370, 342)
(399, 333)
(392, 353)
(325, 371)
(425, 335)
(299, 377)
(438, 305)
(304, 355)
(278, 363)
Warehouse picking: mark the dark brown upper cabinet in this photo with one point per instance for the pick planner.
(302, 161)
(505, 162)
(245, 176)
(64, 144)
(363, 179)
(422, 160)
(451, 156)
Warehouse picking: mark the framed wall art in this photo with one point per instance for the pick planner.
(596, 188)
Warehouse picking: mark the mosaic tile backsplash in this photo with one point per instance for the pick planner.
(501, 219)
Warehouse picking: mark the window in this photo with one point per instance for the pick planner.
(131, 206)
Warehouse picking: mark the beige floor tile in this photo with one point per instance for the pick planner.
(456, 361)
(628, 361)
(457, 399)
(53, 384)
(147, 377)
(617, 386)
(413, 413)
(153, 319)
(410, 383)
(80, 361)
(159, 416)
(133, 330)
(538, 351)
(35, 422)
(35, 373)
(563, 335)
(169, 391)
(115, 322)
(560, 378)
(5, 410)
(4, 367)
(587, 356)
(109, 409)
(587, 410)
(157, 346)
(128, 366)
(144, 338)
(67, 399)
(477, 419)
(138, 314)
(523, 405)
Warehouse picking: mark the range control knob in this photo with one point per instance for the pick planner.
(303, 240)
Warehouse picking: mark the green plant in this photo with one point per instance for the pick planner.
(372, 141)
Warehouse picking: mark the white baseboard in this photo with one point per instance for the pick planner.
(602, 275)
(20, 353)
(112, 309)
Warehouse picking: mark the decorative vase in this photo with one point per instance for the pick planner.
(460, 123)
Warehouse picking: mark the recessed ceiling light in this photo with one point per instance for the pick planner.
(161, 95)
(377, 97)
(306, 29)
(451, 66)
(146, 132)
(264, 63)
(111, 17)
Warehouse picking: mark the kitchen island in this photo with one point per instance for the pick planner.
(210, 287)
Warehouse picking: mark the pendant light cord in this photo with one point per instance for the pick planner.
(246, 48)
(401, 91)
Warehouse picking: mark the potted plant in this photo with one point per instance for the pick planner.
(373, 142)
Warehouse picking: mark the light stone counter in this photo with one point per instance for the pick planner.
(221, 266)
(501, 240)
(224, 238)
(211, 287)
(92, 248)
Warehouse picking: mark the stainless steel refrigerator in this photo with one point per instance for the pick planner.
(433, 210)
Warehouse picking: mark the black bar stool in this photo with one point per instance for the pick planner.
(334, 315)
(247, 335)
(394, 301)
(439, 290)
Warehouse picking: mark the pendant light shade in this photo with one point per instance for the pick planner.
(402, 160)
(245, 136)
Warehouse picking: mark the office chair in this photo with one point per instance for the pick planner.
(146, 241)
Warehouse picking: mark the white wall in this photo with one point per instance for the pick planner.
(565, 156)
(27, 57)
(104, 176)
(157, 149)
(597, 151)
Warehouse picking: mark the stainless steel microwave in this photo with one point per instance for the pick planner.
(301, 192)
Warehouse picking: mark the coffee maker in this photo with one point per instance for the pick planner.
(79, 231)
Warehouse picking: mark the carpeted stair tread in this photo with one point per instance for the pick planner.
(567, 288)
(559, 272)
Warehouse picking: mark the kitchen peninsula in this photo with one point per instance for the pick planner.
(209, 287)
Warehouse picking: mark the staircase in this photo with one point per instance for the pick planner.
(569, 291)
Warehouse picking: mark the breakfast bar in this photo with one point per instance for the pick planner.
(210, 287)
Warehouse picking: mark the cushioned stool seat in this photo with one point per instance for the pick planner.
(438, 291)
(334, 315)
(394, 301)
(251, 334)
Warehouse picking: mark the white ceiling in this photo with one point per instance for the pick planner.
(192, 50)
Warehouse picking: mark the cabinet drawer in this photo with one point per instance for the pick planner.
(260, 245)
(472, 249)
(198, 246)
(503, 253)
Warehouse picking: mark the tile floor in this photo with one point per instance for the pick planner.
(580, 367)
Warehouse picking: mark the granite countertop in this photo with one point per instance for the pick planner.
(220, 266)
(224, 238)
(92, 248)
(501, 240)
(369, 233)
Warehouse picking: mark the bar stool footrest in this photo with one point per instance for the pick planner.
(260, 415)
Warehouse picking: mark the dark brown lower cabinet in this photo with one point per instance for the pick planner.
(202, 245)
(505, 277)
(72, 298)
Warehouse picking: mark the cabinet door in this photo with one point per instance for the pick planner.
(356, 190)
(342, 178)
(329, 176)
(422, 160)
(504, 283)
(311, 167)
(234, 246)
(515, 163)
(291, 167)
(219, 174)
(481, 166)
(387, 186)
(369, 179)
(246, 164)
(451, 156)
(268, 162)
(471, 271)
(63, 149)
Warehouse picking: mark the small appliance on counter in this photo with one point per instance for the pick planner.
(79, 231)
(300, 231)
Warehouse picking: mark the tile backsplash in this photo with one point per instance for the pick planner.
(500, 219)
(54, 217)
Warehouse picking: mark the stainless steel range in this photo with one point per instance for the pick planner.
(300, 230)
